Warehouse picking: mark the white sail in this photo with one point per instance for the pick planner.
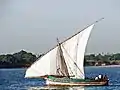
(73, 51)
(46, 65)
(83, 39)
(69, 49)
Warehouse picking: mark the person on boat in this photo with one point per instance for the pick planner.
(105, 77)
(100, 76)
(96, 78)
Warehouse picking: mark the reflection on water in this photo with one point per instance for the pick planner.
(56, 88)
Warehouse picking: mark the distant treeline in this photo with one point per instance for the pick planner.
(102, 59)
(25, 59)
(103, 56)
(17, 60)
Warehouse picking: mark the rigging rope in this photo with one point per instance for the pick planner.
(73, 60)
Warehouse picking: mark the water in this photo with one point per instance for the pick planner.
(13, 79)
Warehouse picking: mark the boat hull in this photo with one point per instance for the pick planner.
(90, 83)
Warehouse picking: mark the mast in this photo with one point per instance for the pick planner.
(62, 67)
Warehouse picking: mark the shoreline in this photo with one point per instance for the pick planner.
(85, 66)
(105, 66)
(110, 66)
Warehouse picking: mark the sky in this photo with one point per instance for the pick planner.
(34, 25)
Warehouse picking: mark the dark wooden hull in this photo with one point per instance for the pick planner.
(82, 83)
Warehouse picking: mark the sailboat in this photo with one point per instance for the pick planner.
(63, 65)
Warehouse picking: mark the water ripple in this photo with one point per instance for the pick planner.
(13, 79)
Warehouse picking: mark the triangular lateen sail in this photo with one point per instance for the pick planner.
(73, 51)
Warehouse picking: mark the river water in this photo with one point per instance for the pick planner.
(13, 79)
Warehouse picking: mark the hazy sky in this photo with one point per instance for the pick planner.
(34, 25)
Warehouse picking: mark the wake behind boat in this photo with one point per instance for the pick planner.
(64, 64)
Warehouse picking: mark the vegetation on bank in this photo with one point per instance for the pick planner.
(17, 60)
(102, 59)
(25, 59)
